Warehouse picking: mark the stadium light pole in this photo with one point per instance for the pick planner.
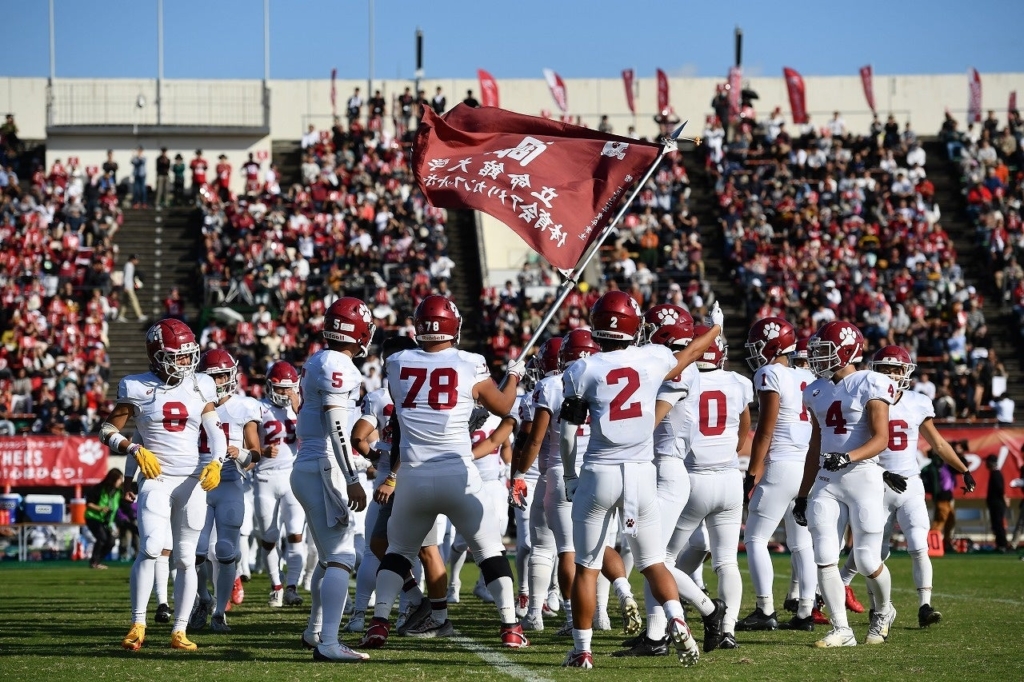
(53, 49)
(266, 42)
(159, 60)
(369, 80)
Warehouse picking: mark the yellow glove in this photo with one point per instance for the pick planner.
(210, 477)
(148, 463)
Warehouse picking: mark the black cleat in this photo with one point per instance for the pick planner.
(791, 604)
(926, 616)
(729, 641)
(646, 647)
(713, 627)
(758, 621)
(633, 641)
(797, 623)
(163, 614)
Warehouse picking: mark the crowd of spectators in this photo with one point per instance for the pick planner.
(822, 224)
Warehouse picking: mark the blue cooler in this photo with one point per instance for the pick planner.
(44, 508)
(10, 503)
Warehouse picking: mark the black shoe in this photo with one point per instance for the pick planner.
(729, 641)
(797, 623)
(791, 605)
(417, 617)
(713, 627)
(163, 614)
(244, 578)
(926, 616)
(646, 647)
(758, 621)
(634, 641)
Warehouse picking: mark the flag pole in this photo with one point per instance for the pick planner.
(669, 144)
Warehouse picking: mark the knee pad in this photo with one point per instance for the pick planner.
(867, 561)
(185, 563)
(226, 552)
(494, 568)
(271, 536)
(396, 563)
(152, 547)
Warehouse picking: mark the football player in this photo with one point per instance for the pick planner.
(617, 388)
(849, 428)
(909, 418)
(169, 404)
(324, 477)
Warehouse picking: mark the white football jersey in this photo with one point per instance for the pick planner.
(277, 427)
(433, 395)
(377, 411)
(169, 418)
(793, 424)
(672, 437)
(841, 408)
(329, 379)
(489, 465)
(547, 395)
(620, 388)
(238, 411)
(716, 413)
(905, 418)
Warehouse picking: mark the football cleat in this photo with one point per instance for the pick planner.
(713, 626)
(180, 641)
(532, 622)
(135, 637)
(565, 630)
(878, 629)
(481, 591)
(414, 616)
(310, 640)
(819, 617)
(632, 621)
(645, 647)
(631, 642)
(797, 623)
(578, 659)
(200, 614)
(837, 637)
(512, 637)
(522, 605)
(430, 628)
(291, 596)
(219, 623)
(852, 604)
(163, 614)
(338, 653)
(602, 621)
(758, 621)
(347, 611)
(237, 592)
(453, 592)
(357, 623)
(729, 641)
(276, 599)
(926, 616)
(792, 604)
(376, 635)
(554, 602)
(685, 644)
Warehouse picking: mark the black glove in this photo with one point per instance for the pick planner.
(834, 461)
(748, 487)
(477, 418)
(969, 483)
(895, 482)
(800, 511)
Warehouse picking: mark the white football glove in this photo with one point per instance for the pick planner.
(716, 316)
(570, 487)
(517, 368)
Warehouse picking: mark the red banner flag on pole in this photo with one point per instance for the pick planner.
(867, 80)
(334, 92)
(488, 89)
(973, 96)
(797, 95)
(627, 80)
(662, 91)
(556, 185)
(1013, 102)
(735, 90)
(557, 86)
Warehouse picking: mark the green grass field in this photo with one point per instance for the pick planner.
(66, 622)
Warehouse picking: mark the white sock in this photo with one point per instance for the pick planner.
(922, 570)
(689, 591)
(333, 593)
(141, 581)
(762, 573)
(567, 610)
(832, 591)
(389, 585)
(697, 575)
(604, 587)
(163, 568)
(540, 579)
(766, 604)
(273, 565)
(880, 588)
(316, 611)
(457, 559)
(523, 567)
(242, 566)
(581, 639)
(804, 608)
(293, 557)
(730, 587)
(673, 609)
(366, 580)
(224, 585)
(203, 571)
(849, 570)
(185, 586)
(504, 592)
(806, 575)
(622, 588)
(657, 624)
(627, 558)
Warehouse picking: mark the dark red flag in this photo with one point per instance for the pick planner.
(1013, 102)
(867, 78)
(558, 91)
(973, 96)
(797, 95)
(627, 80)
(488, 89)
(556, 185)
(662, 91)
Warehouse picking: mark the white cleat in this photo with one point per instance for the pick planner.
(602, 621)
(837, 637)
(338, 653)
(632, 622)
(357, 623)
(532, 622)
(878, 630)
(483, 593)
(522, 605)
(685, 644)
(276, 599)
(453, 592)
(554, 602)
(310, 640)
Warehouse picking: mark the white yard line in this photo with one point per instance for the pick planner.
(965, 597)
(497, 660)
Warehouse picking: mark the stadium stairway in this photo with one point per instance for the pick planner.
(166, 243)
(466, 286)
(972, 257)
(287, 156)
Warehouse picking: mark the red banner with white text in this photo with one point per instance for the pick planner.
(662, 91)
(735, 91)
(973, 96)
(867, 79)
(797, 95)
(51, 461)
(557, 87)
(488, 89)
(627, 80)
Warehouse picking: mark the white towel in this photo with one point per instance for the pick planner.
(334, 498)
(630, 498)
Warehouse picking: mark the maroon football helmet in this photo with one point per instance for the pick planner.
(834, 346)
(167, 343)
(348, 320)
(437, 319)
(219, 361)
(281, 377)
(799, 353)
(547, 356)
(895, 356)
(616, 317)
(673, 336)
(714, 357)
(579, 343)
(668, 314)
(767, 339)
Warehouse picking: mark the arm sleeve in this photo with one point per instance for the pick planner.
(567, 448)
(215, 437)
(334, 420)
